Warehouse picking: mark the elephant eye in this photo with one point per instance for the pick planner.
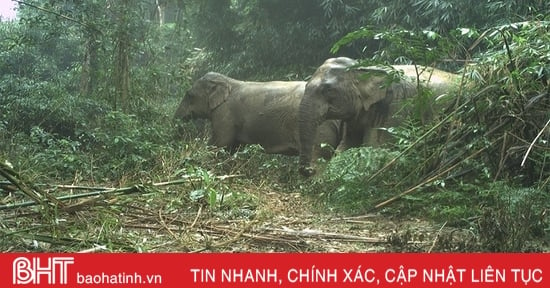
(326, 88)
(190, 96)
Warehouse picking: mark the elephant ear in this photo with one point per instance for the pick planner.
(219, 91)
(372, 86)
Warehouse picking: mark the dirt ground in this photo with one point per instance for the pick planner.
(291, 222)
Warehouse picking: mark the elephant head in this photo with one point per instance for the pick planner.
(206, 94)
(340, 90)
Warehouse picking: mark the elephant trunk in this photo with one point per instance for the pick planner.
(309, 119)
(183, 111)
(179, 113)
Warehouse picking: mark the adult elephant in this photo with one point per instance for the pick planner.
(363, 97)
(264, 113)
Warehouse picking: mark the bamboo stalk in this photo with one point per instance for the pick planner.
(32, 191)
(431, 179)
(533, 142)
(101, 191)
(421, 138)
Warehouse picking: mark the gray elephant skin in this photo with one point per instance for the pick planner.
(363, 98)
(264, 113)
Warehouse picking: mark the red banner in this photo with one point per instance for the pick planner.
(274, 270)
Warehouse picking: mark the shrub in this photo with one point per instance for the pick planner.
(512, 218)
(342, 184)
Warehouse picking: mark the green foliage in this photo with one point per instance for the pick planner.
(214, 192)
(517, 64)
(524, 50)
(351, 183)
(28, 53)
(129, 145)
(512, 218)
(208, 189)
(252, 39)
(109, 149)
(28, 103)
(444, 16)
(281, 168)
(344, 180)
(364, 32)
(164, 65)
(401, 46)
(63, 135)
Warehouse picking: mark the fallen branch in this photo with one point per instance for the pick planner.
(32, 191)
(317, 234)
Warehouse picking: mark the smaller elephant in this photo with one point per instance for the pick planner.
(264, 113)
(364, 97)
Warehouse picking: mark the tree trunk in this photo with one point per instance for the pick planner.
(122, 60)
(161, 8)
(90, 64)
(180, 16)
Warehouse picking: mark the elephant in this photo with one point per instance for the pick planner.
(365, 98)
(264, 113)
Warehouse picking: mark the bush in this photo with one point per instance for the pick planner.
(343, 186)
(512, 218)
(28, 103)
(61, 135)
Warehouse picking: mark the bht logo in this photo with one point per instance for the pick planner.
(30, 271)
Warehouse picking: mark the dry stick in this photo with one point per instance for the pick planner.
(533, 143)
(545, 182)
(436, 237)
(456, 102)
(165, 226)
(188, 178)
(185, 179)
(502, 156)
(96, 248)
(8, 173)
(427, 180)
(196, 217)
(235, 238)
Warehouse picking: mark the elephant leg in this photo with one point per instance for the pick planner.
(371, 137)
(371, 122)
(223, 136)
(353, 136)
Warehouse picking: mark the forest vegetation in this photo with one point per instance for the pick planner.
(92, 159)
